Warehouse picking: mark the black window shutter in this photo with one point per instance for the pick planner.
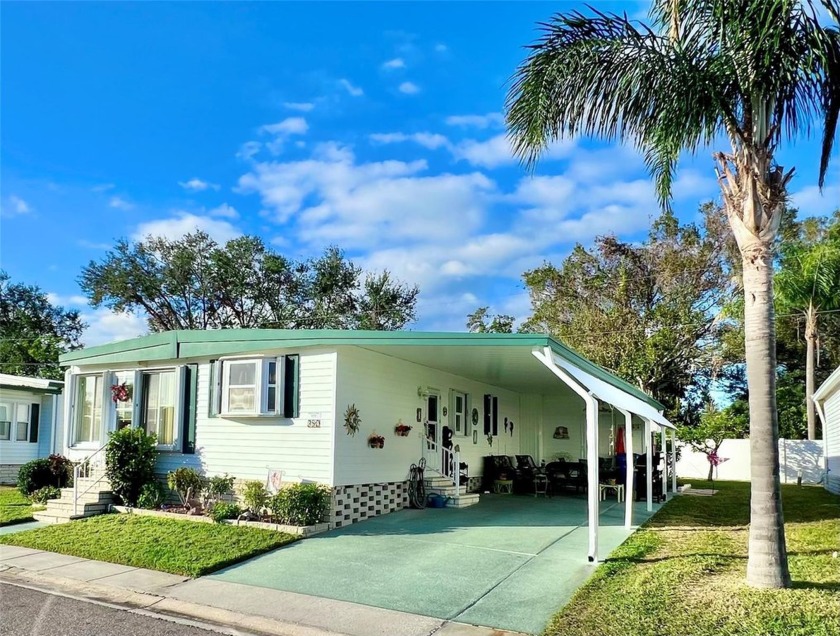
(488, 413)
(291, 387)
(34, 422)
(190, 393)
(495, 415)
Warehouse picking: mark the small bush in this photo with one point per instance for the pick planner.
(301, 504)
(55, 470)
(255, 496)
(151, 496)
(222, 511)
(43, 495)
(130, 462)
(186, 482)
(216, 488)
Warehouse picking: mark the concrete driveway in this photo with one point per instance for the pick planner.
(508, 562)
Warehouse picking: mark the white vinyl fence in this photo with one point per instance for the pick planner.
(794, 455)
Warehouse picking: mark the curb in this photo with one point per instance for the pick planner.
(156, 606)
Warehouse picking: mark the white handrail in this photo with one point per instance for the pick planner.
(450, 460)
(83, 470)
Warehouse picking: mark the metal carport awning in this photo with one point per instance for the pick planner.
(592, 389)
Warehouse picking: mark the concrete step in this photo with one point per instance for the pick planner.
(93, 496)
(435, 481)
(462, 501)
(55, 506)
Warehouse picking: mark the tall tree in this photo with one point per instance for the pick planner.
(194, 283)
(34, 331)
(649, 312)
(480, 321)
(808, 283)
(752, 72)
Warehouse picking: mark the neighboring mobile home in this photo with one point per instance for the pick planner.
(30, 422)
(827, 400)
(250, 401)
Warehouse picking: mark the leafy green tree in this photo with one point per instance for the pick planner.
(808, 283)
(714, 427)
(649, 312)
(34, 331)
(750, 72)
(480, 321)
(195, 283)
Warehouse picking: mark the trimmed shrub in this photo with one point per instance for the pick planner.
(216, 488)
(222, 511)
(186, 482)
(43, 495)
(55, 471)
(255, 496)
(130, 462)
(152, 495)
(301, 504)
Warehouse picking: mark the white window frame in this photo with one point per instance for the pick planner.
(13, 404)
(261, 377)
(103, 411)
(465, 423)
(178, 414)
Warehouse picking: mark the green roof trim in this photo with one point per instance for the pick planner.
(174, 345)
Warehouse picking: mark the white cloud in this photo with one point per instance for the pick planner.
(303, 107)
(490, 120)
(197, 185)
(409, 88)
(287, 127)
(15, 206)
(811, 202)
(248, 150)
(184, 223)
(355, 91)
(396, 63)
(497, 151)
(93, 245)
(441, 48)
(431, 141)
(103, 187)
(105, 326)
(120, 204)
(74, 300)
(224, 210)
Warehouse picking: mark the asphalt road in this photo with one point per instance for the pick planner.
(25, 612)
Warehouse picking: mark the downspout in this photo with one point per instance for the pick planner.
(54, 421)
(546, 357)
(674, 462)
(821, 414)
(648, 466)
(630, 469)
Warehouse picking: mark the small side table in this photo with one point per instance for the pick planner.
(540, 485)
(617, 488)
(503, 486)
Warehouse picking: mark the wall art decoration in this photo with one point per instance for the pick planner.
(352, 419)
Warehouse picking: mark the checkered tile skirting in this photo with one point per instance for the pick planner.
(474, 484)
(365, 501)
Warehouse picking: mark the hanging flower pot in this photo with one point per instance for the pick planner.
(402, 430)
(376, 441)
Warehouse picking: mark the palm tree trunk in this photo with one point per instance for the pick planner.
(767, 565)
(810, 342)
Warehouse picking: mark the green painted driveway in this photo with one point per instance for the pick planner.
(508, 562)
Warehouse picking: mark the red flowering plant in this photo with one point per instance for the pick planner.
(401, 429)
(120, 392)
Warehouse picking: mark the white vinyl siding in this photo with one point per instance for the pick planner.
(17, 404)
(385, 390)
(831, 408)
(247, 447)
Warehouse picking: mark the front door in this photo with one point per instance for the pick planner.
(433, 430)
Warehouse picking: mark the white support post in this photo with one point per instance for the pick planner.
(649, 466)
(456, 470)
(674, 462)
(630, 469)
(664, 455)
(593, 496)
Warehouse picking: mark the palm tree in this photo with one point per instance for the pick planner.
(809, 283)
(748, 72)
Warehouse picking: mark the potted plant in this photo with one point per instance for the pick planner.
(376, 441)
(402, 430)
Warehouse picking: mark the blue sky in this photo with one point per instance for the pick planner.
(374, 127)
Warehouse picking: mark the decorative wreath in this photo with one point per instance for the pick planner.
(475, 417)
(352, 420)
(120, 392)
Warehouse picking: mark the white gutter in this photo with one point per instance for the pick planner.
(592, 491)
(54, 420)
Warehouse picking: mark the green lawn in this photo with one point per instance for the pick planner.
(180, 547)
(683, 573)
(14, 507)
